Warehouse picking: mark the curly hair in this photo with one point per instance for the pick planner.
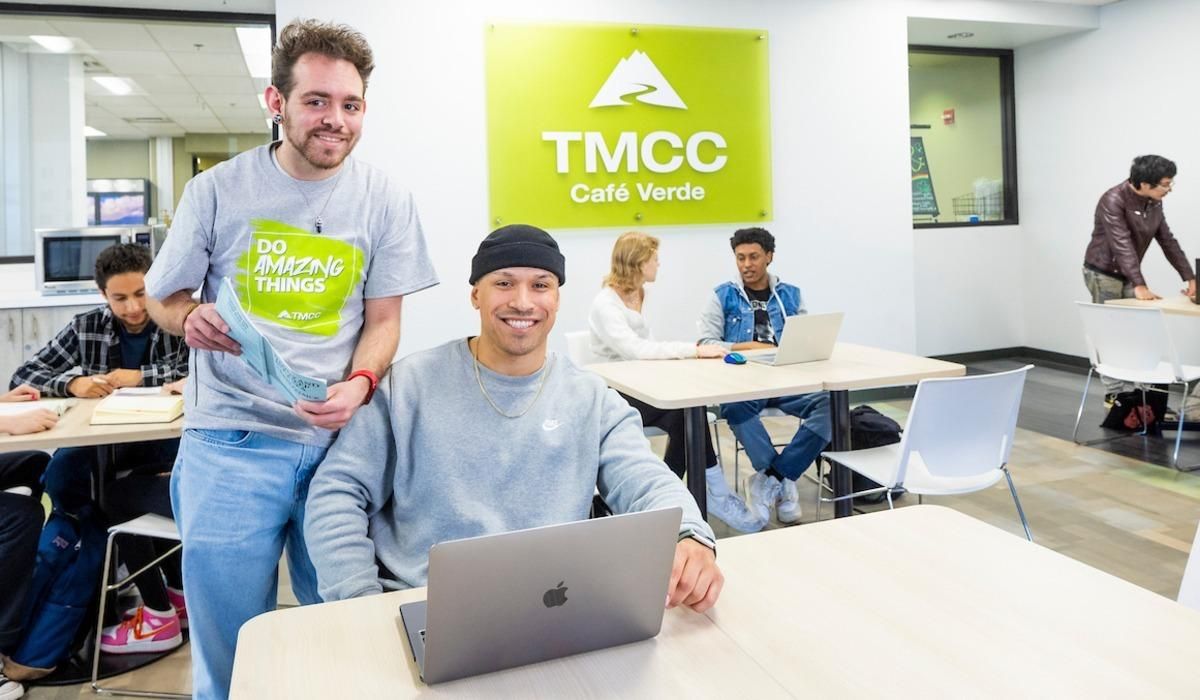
(630, 252)
(119, 259)
(757, 235)
(336, 41)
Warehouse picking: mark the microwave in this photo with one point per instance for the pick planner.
(64, 259)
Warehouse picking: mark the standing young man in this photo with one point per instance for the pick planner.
(749, 314)
(321, 248)
(1128, 217)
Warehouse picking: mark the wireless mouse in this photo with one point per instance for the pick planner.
(735, 358)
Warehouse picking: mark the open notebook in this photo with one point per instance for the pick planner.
(16, 408)
(117, 409)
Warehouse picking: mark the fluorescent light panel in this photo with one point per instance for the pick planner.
(115, 85)
(89, 132)
(256, 50)
(54, 44)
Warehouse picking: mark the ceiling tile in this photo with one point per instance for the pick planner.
(200, 64)
(241, 114)
(181, 37)
(221, 85)
(202, 126)
(101, 34)
(20, 28)
(247, 127)
(178, 113)
(178, 100)
(225, 102)
(163, 84)
(144, 62)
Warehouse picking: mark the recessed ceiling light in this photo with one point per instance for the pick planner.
(960, 35)
(89, 132)
(55, 44)
(256, 50)
(115, 85)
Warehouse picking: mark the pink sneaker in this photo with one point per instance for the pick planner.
(176, 597)
(147, 631)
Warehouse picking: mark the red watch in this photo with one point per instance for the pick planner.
(374, 380)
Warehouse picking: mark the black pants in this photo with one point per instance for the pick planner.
(21, 520)
(671, 422)
(128, 498)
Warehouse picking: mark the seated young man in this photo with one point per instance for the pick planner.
(100, 351)
(485, 435)
(748, 314)
(21, 518)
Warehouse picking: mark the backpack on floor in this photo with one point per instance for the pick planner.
(870, 428)
(66, 581)
(1129, 412)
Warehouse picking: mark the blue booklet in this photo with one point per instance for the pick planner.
(258, 353)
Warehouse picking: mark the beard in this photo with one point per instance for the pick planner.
(320, 155)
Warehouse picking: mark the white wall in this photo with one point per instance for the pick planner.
(839, 132)
(1086, 105)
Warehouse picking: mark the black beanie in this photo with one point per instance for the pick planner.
(518, 245)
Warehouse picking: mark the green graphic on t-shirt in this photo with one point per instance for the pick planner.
(297, 279)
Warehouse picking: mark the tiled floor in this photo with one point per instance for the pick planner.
(1117, 513)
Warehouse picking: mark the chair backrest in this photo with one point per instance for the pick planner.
(579, 347)
(1189, 588)
(963, 426)
(1129, 337)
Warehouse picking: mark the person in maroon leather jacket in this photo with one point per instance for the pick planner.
(1128, 217)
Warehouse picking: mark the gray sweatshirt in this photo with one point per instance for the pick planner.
(430, 460)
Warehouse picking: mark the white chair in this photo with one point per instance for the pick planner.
(1189, 587)
(148, 525)
(957, 439)
(579, 349)
(1134, 344)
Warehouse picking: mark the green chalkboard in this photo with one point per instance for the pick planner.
(924, 201)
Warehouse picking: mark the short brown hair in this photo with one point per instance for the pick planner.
(336, 41)
(630, 252)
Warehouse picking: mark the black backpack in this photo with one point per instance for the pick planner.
(870, 428)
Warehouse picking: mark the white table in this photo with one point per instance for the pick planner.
(693, 384)
(918, 602)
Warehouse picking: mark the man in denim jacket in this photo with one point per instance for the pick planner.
(749, 314)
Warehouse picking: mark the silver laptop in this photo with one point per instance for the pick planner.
(507, 600)
(806, 338)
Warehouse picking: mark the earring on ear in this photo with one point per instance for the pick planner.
(278, 119)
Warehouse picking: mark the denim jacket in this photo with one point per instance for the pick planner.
(728, 318)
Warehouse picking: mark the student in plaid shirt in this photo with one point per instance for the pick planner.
(100, 351)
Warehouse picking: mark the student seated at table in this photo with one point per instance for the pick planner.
(619, 332)
(99, 351)
(489, 434)
(21, 518)
(747, 314)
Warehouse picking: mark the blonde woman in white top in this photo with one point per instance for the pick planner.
(619, 332)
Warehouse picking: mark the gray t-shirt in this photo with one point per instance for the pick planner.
(429, 460)
(247, 220)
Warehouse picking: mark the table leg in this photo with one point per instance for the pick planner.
(695, 423)
(839, 410)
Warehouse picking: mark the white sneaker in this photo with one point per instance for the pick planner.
(728, 507)
(788, 508)
(764, 494)
(10, 689)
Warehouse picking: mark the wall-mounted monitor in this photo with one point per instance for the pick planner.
(118, 202)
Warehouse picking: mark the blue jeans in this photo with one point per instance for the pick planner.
(808, 442)
(238, 498)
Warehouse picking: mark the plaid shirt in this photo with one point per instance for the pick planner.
(90, 344)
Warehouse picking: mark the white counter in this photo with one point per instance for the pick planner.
(17, 291)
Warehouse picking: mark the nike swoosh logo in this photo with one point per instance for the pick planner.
(550, 424)
(138, 635)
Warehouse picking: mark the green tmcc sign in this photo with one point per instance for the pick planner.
(615, 125)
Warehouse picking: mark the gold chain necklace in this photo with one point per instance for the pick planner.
(483, 390)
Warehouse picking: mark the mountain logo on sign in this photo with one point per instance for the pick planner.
(636, 76)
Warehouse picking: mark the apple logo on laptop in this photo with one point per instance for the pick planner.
(555, 596)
